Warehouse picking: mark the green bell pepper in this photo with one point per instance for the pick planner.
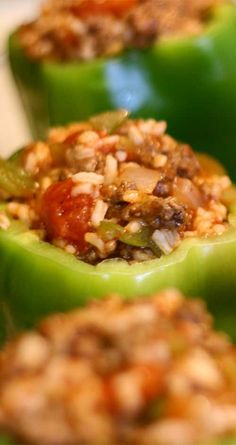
(188, 81)
(37, 279)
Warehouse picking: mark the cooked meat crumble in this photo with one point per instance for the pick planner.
(85, 29)
(128, 191)
(143, 373)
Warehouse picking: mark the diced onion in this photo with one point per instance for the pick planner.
(143, 178)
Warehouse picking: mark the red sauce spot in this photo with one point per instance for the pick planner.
(116, 7)
(65, 216)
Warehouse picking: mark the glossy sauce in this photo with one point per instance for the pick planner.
(65, 216)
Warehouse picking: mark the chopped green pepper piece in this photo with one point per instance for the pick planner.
(138, 239)
(109, 121)
(109, 230)
(189, 81)
(14, 180)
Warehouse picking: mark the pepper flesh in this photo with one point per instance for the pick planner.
(44, 279)
(164, 81)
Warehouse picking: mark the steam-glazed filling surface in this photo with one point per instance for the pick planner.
(145, 373)
(113, 187)
(86, 29)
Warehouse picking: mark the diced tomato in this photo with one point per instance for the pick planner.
(65, 216)
(116, 7)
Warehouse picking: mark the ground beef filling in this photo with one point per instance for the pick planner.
(145, 373)
(132, 192)
(85, 29)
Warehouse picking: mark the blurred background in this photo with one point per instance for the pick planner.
(14, 130)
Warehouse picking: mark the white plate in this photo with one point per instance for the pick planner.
(14, 131)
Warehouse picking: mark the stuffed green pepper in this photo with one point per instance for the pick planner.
(174, 60)
(151, 372)
(113, 204)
